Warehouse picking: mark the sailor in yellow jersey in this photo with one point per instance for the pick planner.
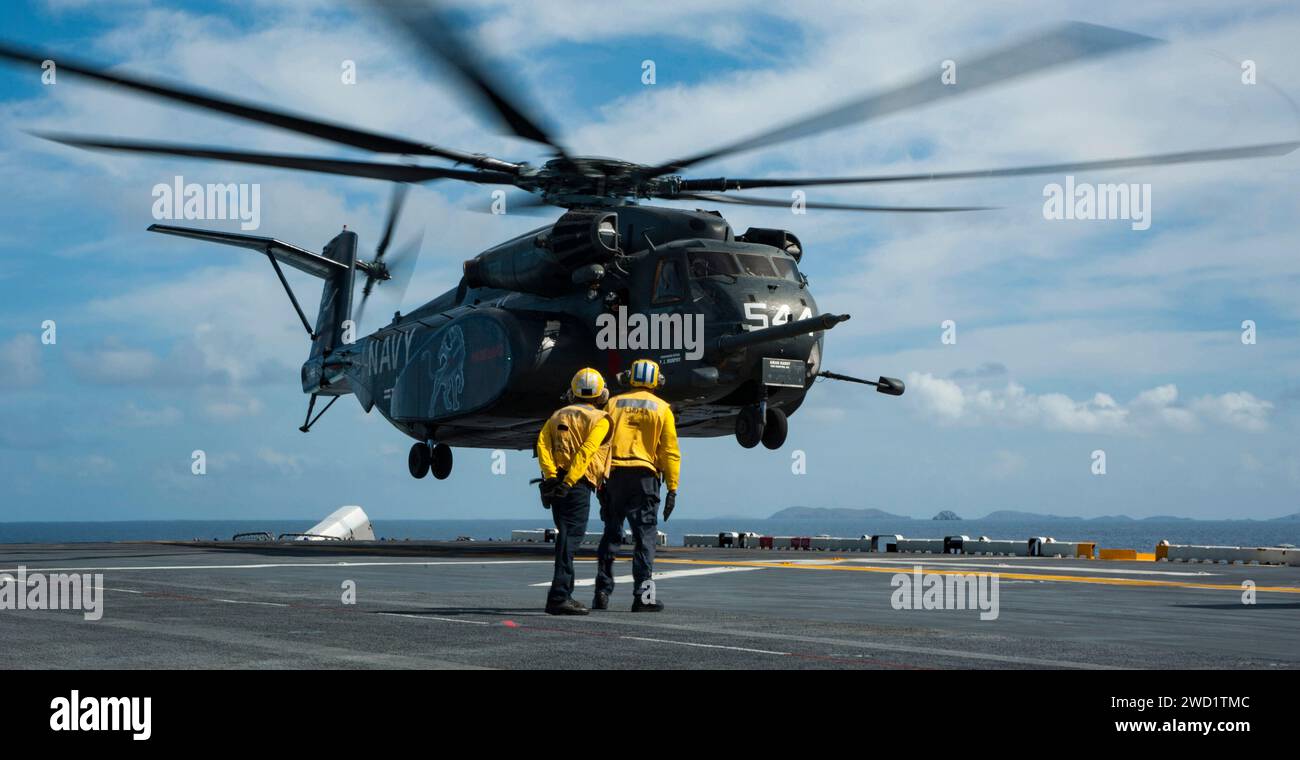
(643, 447)
(572, 449)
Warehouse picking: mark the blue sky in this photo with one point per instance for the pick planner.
(1073, 336)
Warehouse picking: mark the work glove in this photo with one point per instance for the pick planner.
(547, 489)
(559, 490)
(669, 503)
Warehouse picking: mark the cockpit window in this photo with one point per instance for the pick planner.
(786, 268)
(756, 266)
(668, 282)
(709, 263)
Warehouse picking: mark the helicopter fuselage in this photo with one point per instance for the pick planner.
(484, 366)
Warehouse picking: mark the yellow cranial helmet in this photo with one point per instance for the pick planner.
(587, 385)
(645, 374)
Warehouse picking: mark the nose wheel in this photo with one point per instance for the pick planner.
(775, 428)
(749, 426)
(424, 459)
(755, 425)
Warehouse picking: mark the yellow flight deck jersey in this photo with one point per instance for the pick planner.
(645, 435)
(575, 439)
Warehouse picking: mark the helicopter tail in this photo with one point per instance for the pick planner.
(336, 265)
(335, 306)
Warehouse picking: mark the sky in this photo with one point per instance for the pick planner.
(1072, 336)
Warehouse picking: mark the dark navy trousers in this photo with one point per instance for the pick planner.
(570, 514)
(632, 495)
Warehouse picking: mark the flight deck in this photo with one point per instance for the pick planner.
(479, 605)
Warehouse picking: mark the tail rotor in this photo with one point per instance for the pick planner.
(398, 268)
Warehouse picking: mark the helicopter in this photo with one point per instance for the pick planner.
(479, 366)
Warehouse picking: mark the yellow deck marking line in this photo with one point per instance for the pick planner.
(1012, 576)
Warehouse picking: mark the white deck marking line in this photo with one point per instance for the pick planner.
(238, 601)
(786, 638)
(430, 617)
(289, 564)
(922, 560)
(665, 574)
(705, 646)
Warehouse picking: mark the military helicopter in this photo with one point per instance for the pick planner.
(482, 365)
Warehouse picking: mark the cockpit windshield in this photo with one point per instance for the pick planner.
(786, 268)
(710, 263)
(755, 265)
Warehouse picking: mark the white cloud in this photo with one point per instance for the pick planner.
(285, 464)
(1240, 410)
(1007, 464)
(1154, 410)
(20, 362)
(89, 466)
(133, 415)
(114, 364)
(232, 406)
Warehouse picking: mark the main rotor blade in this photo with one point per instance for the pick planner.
(745, 200)
(428, 26)
(370, 169)
(325, 130)
(1072, 42)
(1160, 159)
(394, 212)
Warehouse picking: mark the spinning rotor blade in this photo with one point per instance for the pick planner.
(428, 26)
(1069, 43)
(401, 266)
(324, 130)
(394, 212)
(1160, 159)
(400, 269)
(370, 169)
(744, 200)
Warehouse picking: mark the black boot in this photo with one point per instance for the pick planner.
(567, 607)
(640, 606)
(600, 601)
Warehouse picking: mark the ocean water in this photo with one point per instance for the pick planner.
(1132, 534)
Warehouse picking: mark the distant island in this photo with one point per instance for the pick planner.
(998, 515)
(1012, 514)
(833, 513)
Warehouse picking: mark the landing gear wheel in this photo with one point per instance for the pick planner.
(418, 460)
(775, 430)
(441, 464)
(749, 427)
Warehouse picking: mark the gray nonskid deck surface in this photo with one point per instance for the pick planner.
(442, 605)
